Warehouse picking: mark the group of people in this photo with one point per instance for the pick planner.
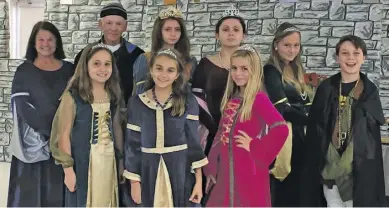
(125, 127)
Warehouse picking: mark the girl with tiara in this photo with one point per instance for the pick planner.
(286, 88)
(251, 133)
(87, 134)
(162, 142)
(210, 77)
(169, 31)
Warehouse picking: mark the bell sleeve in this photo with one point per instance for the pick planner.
(132, 147)
(275, 90)
(140, 74)
(60, 145)
(196, 156)
(265, 149)
(21, 97)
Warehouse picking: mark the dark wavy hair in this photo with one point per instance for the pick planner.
(81, 81)
(31, 52)
(179, 89)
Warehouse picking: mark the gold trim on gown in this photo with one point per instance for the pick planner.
(102, 175)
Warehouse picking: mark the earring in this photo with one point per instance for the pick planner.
(276, 48)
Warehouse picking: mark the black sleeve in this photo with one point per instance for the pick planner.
(275, 89)
(199, 80)
(25, 108)
(312, 154)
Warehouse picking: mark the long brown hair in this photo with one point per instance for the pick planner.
(254, 84)
(294, 74)
(81, 83)
(179, 89)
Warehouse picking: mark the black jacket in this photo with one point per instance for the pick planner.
(368, 175)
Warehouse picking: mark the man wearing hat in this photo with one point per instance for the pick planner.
(113, 23)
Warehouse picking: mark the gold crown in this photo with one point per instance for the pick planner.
(170, 12)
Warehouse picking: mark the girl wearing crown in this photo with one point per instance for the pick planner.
(162, 143)
(87, 138)
(284, 80)
(169, 31)
(251, 133)
(210, 77)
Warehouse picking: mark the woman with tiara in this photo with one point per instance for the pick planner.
(169, 31)
(286, 88)
(210, 77)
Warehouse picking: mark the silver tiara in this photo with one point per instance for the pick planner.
(100, 45)
(291, 29)
(247, 48)
(231, 11)
(167, 52)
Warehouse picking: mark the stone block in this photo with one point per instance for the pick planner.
(303, 6)
(376, 12)
(269, 26)
(284, 10)
(320, 5)
(4, 64)
(337, 11)
(316, 61)
(331, 58)
(341, 31)
(363, 30)
(357, 16)
(94, 25)
(311, 14)
(314, 51)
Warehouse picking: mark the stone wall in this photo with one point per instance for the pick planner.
(322, 23)
(4, 29)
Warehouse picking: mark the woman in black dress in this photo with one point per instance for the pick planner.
(35, 179)
(286, 88)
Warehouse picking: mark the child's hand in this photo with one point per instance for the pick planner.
(197, 193)
(210, 180)
(70, 179)
(136, 192)
(243, 140)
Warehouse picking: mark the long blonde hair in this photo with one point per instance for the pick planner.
(294, 74)
(254, 84)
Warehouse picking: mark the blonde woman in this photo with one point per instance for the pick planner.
(242, 150)
(284, 81)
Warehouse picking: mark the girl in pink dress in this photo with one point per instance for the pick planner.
(250, 135)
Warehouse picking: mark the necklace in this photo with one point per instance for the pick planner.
(221, 62)
(303, 95)
(344, 133)
(102, 100)
(156, 100)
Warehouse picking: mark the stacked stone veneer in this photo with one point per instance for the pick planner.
(322, 24)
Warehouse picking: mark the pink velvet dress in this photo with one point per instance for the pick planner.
(242, 177)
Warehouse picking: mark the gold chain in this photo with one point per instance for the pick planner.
(342, 136)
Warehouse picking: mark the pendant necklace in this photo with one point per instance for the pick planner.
(156, 100)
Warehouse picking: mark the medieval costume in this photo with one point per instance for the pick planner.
(242, 177)
(343, 152)
(95, 130)
(35, 180)
(162, 151)
(209, 82)
(294, 107)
